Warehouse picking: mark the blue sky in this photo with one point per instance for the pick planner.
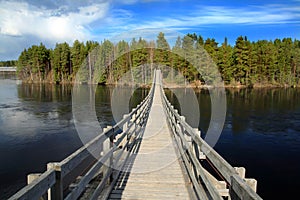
(27, 22)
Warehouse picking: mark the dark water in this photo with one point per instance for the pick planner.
(261, 132)
(37, 127)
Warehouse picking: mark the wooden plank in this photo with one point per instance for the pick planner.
(207, 152)
(75, 193)
(212, 190)
(156, 171)
(78, 156)
(65, 172)
(220, 163)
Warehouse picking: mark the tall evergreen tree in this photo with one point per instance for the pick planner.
(225, 61)
(162, 53)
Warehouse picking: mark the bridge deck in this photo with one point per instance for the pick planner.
(156, 172)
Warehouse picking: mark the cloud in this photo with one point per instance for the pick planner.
(22, 18)
(199, 17)
(23, 23)
(212, 15)
(137, 1)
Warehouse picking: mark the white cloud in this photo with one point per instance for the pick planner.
(210, 15)
(137, 1)
(200, 17)
(66, 20)
(21, 18)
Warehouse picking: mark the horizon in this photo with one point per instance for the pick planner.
(32, 22)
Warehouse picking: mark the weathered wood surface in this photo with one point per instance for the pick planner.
(148, 152)
(191, 146)
(155, 172)
(37, 187)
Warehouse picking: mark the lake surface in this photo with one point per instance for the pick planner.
(261, 132)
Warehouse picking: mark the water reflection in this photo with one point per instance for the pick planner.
(261, 133)
(255, 109)
(265, 111)
(7, 76)
(37, 127)
(44, 92)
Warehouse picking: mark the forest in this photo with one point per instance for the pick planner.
(8, 63)
(246, 63)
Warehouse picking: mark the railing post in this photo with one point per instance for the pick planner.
(200, 155)
(241, 171)
(111, 158)
(107, 145)
(31, 178)
(56, 191)
(232, 193)
(134, 126)
(251, 182)
(124, 128)
(241, 189)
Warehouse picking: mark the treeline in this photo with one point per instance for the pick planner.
(246, 63)
(8, 63)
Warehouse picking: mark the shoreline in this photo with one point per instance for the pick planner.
(255, 86)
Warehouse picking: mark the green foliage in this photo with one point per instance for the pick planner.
(247, 63)
(61, 62)
(34, 63)
(8, 63)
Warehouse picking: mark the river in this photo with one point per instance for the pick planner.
(261, 132)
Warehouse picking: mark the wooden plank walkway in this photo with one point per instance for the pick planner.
(155, 172)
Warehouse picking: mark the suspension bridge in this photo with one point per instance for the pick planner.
(152, 153)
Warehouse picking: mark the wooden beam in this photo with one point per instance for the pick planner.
(37, 188)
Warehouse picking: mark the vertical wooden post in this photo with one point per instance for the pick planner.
(124, 128)
(252, 183)
(241, 171)
(111, 158)
(32, 177)
(56, 191)
(195, 150)
(232, 194)
(134, 126)
(195, 146)
(107, 145)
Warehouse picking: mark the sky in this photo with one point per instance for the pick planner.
(27, 22)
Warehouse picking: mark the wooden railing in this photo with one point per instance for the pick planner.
(69, 178)
(193, 150)
(103, 158)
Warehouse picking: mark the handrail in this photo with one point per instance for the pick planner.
(190, 146)
(54, 180)
(107, 145)
(38, 187)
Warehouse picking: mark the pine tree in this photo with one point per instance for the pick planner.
(225, 61)
(162, 53)
(241, 60)
(77, 56)
(161, 42)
